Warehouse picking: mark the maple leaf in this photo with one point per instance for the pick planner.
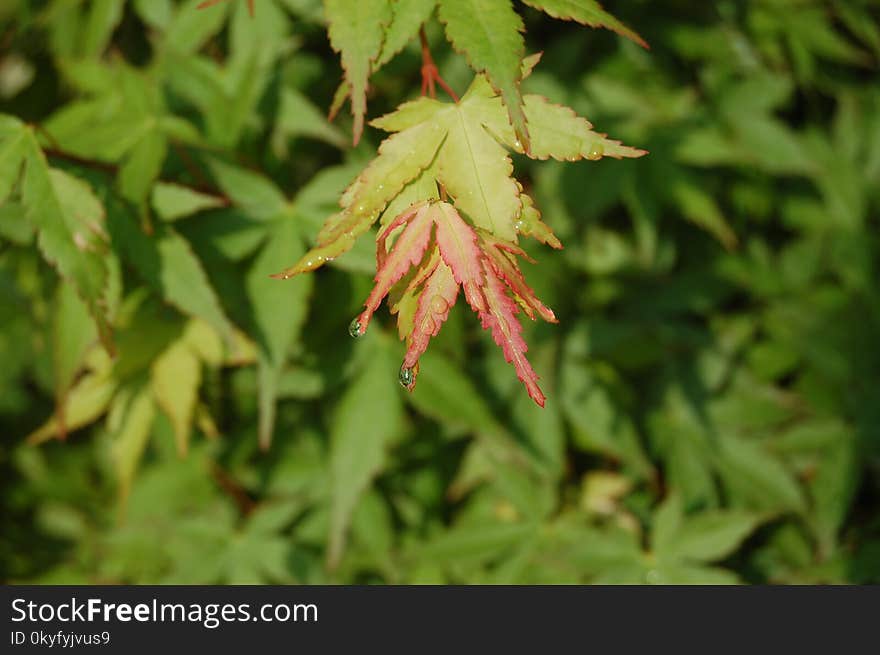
(500, 256)
(408, 250)
(443, 190)
(369, 33)
(356, 29)
(432, 309)
(458, 257)
(585, 12)
(500, 317)
(461, 147)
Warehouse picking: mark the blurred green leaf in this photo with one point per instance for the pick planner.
(130, 435)
(176, 376)
(712, 535)
(73, 332)
(367, 420)
(167, 262)
(757, 478)
(172, 201)
(85, 403)
(279, 308)
(70, 223)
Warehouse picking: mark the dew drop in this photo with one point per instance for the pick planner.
(518, 226)
(439, 304)
(596, 152)
(406, 377)
(354, 329)
(517, 144)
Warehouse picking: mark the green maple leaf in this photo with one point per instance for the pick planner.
(489, 33)
(462, 147)
(407, 16)
(585, 12)
(69, 219)
(368, 34)
(356, 30)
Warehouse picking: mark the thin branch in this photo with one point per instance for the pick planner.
(202, 187)
(231, 487)
(57, 153)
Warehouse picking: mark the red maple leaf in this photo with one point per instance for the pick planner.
(446, 254)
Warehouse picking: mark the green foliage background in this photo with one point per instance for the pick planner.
(713, 385)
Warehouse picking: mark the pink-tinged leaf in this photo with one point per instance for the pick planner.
(507, 246)
(435, 301)
(337, 237)
(500, 255)
(408, 250)
(403, 299)
(400, 219)
(426, 269)
(500, 317)
(458, 247)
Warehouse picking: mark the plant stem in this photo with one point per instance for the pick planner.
(430, 74)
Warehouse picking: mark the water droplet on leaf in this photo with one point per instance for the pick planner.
(439, 304)
(406, 377)
(596, 152)
(354, 329)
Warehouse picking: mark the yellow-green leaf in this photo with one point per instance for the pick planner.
(356, 31)
(176, 376)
